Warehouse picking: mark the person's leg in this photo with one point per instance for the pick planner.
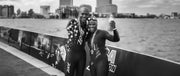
(102, 66)
(70, 69)
(93, 70)
(81, 66)
(71, 64)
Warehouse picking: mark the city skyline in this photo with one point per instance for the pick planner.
(124, 6)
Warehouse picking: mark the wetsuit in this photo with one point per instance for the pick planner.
(99, 60)
(76, 57)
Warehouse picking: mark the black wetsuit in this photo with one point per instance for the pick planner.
(76, 59)
(99, 60)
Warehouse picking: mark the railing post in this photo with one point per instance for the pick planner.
(9, 36)
(49, 60)
(51, 39)
(0, 30)
(29, 50)
(21, 42)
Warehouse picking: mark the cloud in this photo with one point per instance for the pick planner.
(156, 1)
(3, 0)
(15, 0)
(11, 0)
(151, 4)
(147, 6)
(156, 4)
(123, 5)
(46, 1)
(175, 2)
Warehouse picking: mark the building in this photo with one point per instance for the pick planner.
(174, 15)
(45, 10)
(10, 11)
(1, 7)
(6, 11)
(68, 11)
(106, 7)
(65, 3)
(103, 2)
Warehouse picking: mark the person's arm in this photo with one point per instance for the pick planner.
(115, 37)
(72, 21)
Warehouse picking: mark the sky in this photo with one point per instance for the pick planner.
(124, 6)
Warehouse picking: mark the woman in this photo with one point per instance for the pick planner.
(98, 52)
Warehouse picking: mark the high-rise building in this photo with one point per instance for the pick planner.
(174, 14)
(45, 10)
(1, 7)
(106, 7)
(65, 3)
(10, 11)
(103, 2)
(110, 1)
(68, 12)
(66, 9)
(5, 11)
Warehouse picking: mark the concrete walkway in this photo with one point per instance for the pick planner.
(16, 63)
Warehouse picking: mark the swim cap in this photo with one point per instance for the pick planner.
(84, 10)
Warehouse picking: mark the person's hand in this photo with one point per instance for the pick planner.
(112, 25)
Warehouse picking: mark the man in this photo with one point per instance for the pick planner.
(98, 52)
(77, 31)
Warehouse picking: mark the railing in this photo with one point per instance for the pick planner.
(122, 62)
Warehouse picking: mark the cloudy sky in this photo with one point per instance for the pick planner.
(124, 6)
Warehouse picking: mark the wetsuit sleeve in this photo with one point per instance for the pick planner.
(113, 38)
(69, 23)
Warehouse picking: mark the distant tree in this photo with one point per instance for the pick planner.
(30, 13)
(24, 15)
(38, 16)
(18, 12)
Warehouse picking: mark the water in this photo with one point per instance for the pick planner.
(158, 37)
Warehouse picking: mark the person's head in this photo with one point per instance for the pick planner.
(84, 13)
(92, 24)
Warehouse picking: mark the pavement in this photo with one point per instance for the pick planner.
(16, 63)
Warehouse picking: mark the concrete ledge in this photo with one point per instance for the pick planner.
(31, 60)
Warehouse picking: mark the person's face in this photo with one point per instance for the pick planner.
(84, 16)
(92, 26)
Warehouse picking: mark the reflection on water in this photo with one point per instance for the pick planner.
(157, 37)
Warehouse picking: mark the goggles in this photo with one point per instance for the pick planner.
(85, 14)
(92, 21)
